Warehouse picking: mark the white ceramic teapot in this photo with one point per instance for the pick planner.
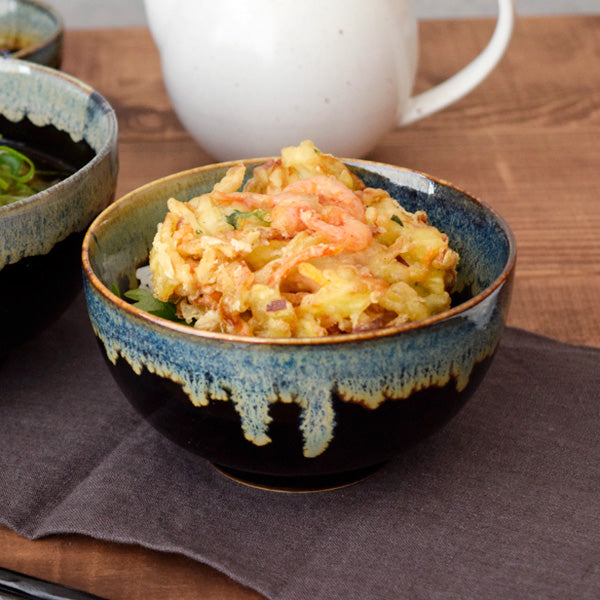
(248, 77)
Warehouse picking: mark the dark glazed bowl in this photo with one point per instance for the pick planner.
(308, 413)
(31, 31)
(40, 236)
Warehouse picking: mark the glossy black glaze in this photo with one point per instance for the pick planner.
(36, 290)
(370, 436)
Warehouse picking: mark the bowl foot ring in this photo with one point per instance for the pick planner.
(299, 483)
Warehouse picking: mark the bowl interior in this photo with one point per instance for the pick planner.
(46, 143)
(33, 97)
(26, 26)
(122, 237)
(51, 113)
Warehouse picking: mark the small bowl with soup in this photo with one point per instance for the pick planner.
(31, 30)
(299, 320)
(58, 170)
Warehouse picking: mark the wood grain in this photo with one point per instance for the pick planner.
(117, 571)
(526, 142)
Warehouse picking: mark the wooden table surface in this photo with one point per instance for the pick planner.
(526, 141)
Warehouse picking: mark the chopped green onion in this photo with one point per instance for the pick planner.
(236, 216)
(14, 161)
(16, 172)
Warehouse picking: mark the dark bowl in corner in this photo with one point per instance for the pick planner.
(46, 112)
(32, 31)
(300, 414)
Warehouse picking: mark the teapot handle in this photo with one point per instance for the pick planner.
(468, 77)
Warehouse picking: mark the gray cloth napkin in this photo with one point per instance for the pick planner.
(502, 503)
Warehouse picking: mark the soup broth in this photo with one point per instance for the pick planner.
(9, 44)
(47, 172)
(53, 153)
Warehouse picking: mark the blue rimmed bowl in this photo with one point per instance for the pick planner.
(31, 30)
(300, 413)
(57, 116)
